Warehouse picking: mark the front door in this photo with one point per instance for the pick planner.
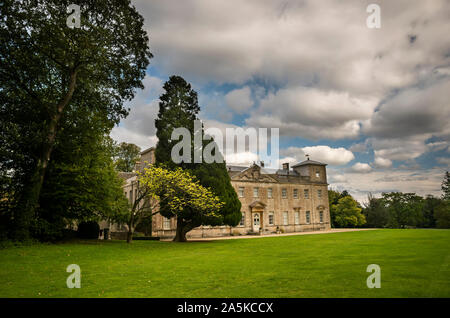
(256, 222)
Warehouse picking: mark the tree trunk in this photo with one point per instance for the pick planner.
(130, 236)
(29, 198)
(182, 229)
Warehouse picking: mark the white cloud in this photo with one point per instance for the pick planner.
(361, 167)
(382, 162)
(239, 100)
(419, 181)
(325, 154)
(313, 113)
(139, 126)
(400, 148)
(444, 160)
(122, 134)
(243, 158)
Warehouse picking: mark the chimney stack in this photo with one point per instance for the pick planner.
(286, 166)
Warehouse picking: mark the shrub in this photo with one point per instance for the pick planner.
(88, 230)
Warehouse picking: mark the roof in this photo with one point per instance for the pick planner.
(309, 162)
(127, 175)
(143, 152)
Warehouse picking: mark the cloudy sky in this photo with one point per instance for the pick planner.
(371, 103)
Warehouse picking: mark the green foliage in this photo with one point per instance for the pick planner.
(125, 156)
(375, 212)
(215, 177)
(88, 230)
(430, 205)
(348, 213)
(49, 72)
(179, 108)
(405, 209)
(81, 184)
(333, 200)
(442, 214)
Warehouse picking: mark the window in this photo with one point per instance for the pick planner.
(317, 174)
(271, 220)
(135, 195)
(321, 216)
(295, 193)
(297, 217)
(285, 218)
(131, 196)
(306, 193)
(241, 192)
(269, 192)
(242, 223)
(308, 217)
(255, 192)
(284, 193)
(166, 223)
(319, 193)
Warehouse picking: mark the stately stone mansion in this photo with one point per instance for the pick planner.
(273, 201)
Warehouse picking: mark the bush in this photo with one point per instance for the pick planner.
(88, 230)
(46, 231)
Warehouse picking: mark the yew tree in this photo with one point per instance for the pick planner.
(179, 107)
(48, 69)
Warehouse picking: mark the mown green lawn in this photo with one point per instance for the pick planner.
(414, 263)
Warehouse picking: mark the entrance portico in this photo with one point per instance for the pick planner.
(257, 209)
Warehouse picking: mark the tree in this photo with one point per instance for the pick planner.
(183, 195)
(333, 200)
(446, 186)
(442, 214)
(81, 184)
(428, 218)
(348, 214)
(375, 212)
(404, 209)
(179, 108)
(142, 208)
(48, 69)
(126, 156)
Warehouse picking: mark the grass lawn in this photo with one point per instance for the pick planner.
(414, 263)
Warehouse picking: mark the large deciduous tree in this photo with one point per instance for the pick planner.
(183, 195)
(348, 213)
(179, 107)
(125, 156)
(48, 70)
(375, 212)
(405, 209)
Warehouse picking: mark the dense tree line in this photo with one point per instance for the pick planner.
(392, 210)
(62, 90)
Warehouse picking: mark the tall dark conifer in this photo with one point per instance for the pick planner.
(179, 108)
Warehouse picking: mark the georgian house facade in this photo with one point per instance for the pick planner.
(291, 199)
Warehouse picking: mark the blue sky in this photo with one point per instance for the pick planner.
(371, 103)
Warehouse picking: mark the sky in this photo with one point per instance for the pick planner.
(372, 103)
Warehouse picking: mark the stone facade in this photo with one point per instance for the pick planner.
(273, 201)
